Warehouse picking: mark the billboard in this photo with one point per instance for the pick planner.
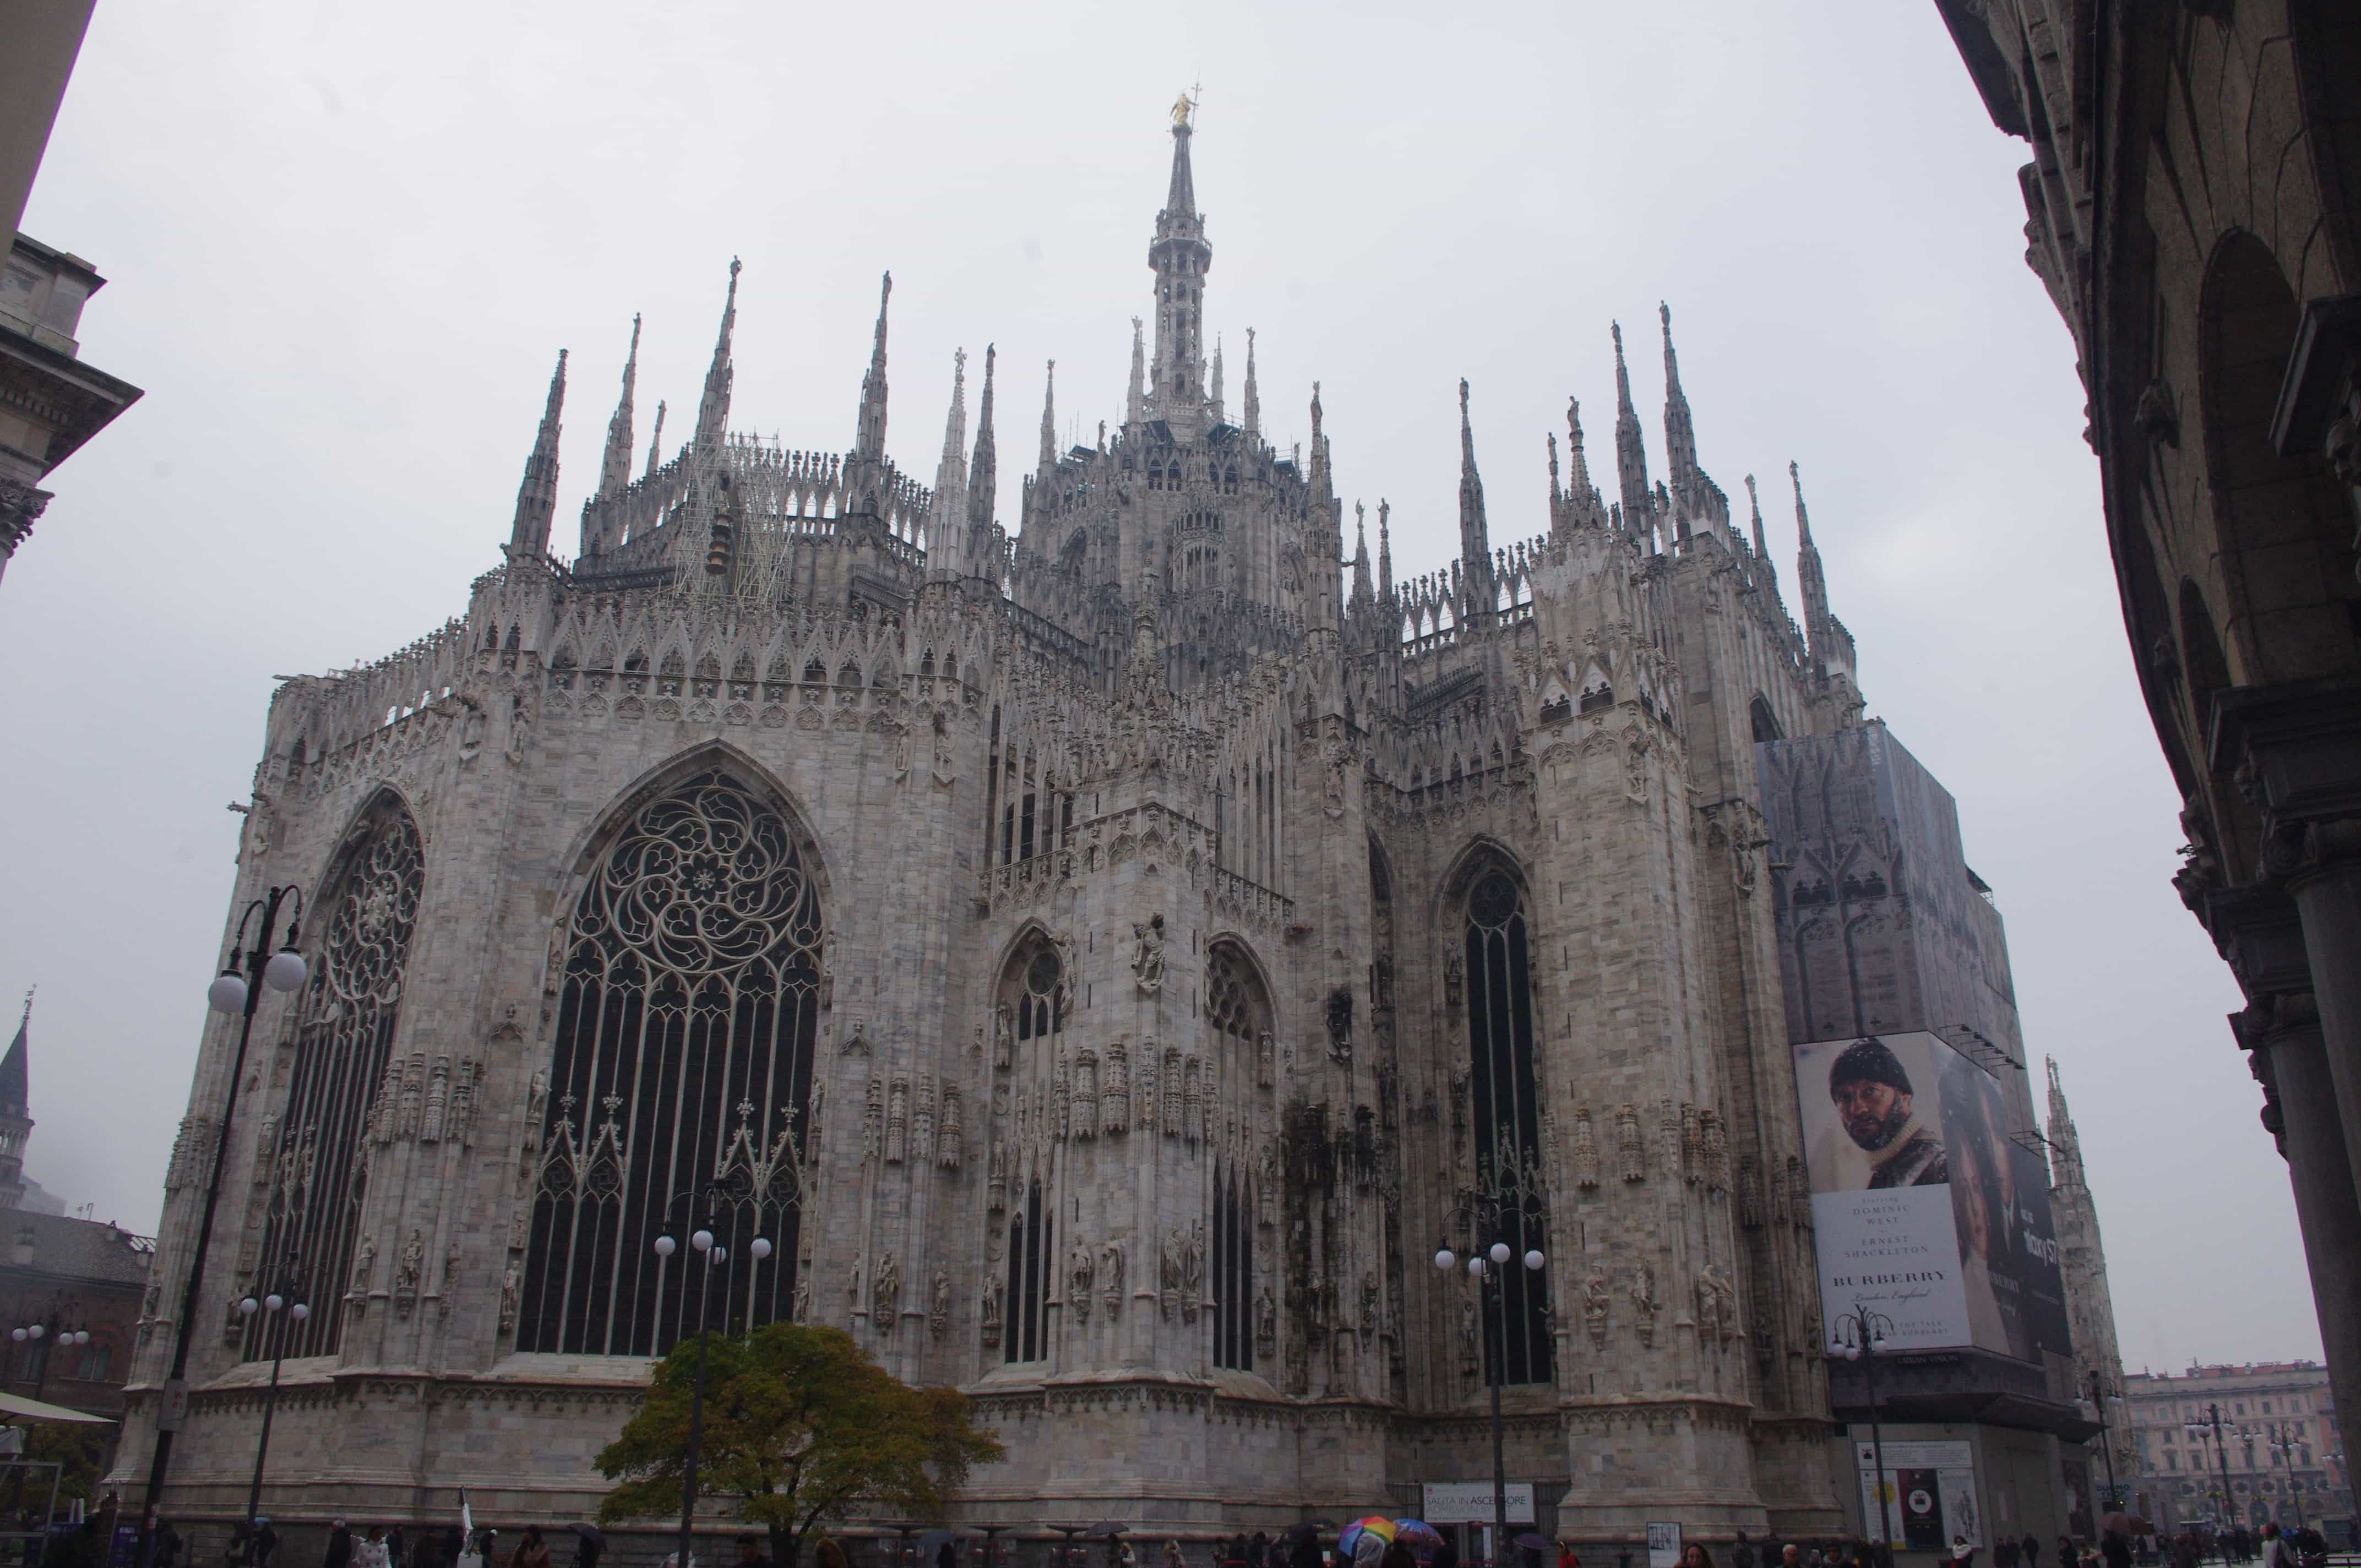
(1924, 1208)
(1930, 1495)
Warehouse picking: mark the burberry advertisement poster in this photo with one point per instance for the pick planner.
(1926, 1208)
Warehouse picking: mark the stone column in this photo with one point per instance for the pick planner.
(2327, 895)
(2290, 1058)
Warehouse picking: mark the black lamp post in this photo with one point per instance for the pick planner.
(2221, 1456)
(715, 1195)
(2106, 1447)
(1486, 1213)
(2281, 1437)
(237, 994)
(281, 1314)
(1860, 1335)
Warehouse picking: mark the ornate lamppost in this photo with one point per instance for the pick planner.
(2197, 1430)
(49, 1329)
(714, 1194)
(236, 994)
(2280, 1438)
(291, 1284)
(1496, 1213)
(2106, 1444)
(1860, 1335)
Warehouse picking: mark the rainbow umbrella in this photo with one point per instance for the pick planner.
(1377, 1525)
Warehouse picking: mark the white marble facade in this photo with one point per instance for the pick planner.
(1095, 952)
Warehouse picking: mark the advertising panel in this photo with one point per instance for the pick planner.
(1930, 1494)
(1926, 1210)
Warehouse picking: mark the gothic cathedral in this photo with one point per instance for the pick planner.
(1102, 958)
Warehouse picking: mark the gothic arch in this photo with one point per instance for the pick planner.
(1238, 1015)
(348, 1092)
(1488, 901)
(1478, 854)
(583, 852)
(1032, 996)
(689, 963)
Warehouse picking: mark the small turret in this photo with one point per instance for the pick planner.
(1364, 596)
(1252, 410)
(615, 472)
(713, 409)
(1631, 452)
(1680, 430)
(947, 520)
(537, 494)
(1048, 423)
(1475, 535)
(655, 441)
(1763, 561)
(1809, 580)
(1135, 405)
(982, 480)
(1385, 550)
(1214, 402)
(869, 442)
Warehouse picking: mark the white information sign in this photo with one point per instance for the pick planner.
(1664, 1543)
(1470, 1502)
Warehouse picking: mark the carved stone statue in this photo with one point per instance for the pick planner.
(991, 1314)
(1266, 1323)
(1147, 953)
(1627, 1142)
(1594, 1296)
(406, 1274)
(938, 1314)
(364, 1264)
(885, 1296)
(1004, 1037)
(511, 1293)
(1643, 1301)
(1079, 1269)
(1111, 1277)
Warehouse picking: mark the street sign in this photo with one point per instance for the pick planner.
(173, 1408)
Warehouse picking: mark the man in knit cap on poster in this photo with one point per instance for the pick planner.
(1873, 1097)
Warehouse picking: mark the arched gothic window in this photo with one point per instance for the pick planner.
(1034, 1001)
(1237, 1015)
(684, 1047)
(348, 1097)
(1500, 1033)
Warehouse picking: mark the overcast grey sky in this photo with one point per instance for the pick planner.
(345, 242)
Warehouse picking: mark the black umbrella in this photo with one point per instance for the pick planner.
(1532, 1542)
(589, 1532)
(1109, 1527)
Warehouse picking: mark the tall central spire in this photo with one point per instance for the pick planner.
(713, 410)
(1181, 259)
(1631, 450)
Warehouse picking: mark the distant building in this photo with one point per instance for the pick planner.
(2090, 1304)
(2181, 1468)
(64, 1276)
(51, 402)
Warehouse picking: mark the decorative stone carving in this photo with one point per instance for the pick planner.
(1668, 1139)
(1148, 954)
(1585, 1150)
(873, 1119)
(438, 1099)
(1644, 1305)
(1080, 1275)
(1170, 1114)
(407, 1272)
(897, 1121)
(1750, 1194)
(1454, 982)
(1114, 1102)
(922, 1123)
(1172, 1265)
(1004, 1037)
(1192, 1101)
(948, 1134)
(1714, 1139)
(1086, 1095)
(1264, 1054)
(991, 1311)
(1368, 1307)
(1061, 1096)
(1111, 1277)
(1143, 1091)
(1595, 1295)
(996, 1200)
(1627, 1142)
(1266, 1323)
(1337, 1013)
(885, 1296)
(938, 1312)
(1692, 1145)
(511, 1293)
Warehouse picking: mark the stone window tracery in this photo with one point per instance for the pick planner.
(345, 1087)
(1507, 1102)
(684, 1051)
(1035, 990)
(1237, 1016)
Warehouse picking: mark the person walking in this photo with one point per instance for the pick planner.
(373, 1552)
(340, 1547)
(168, 1546)
(532, 1551)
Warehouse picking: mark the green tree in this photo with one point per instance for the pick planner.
(800, 1427)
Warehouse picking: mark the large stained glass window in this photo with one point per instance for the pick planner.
(1500, 1031)
(684, 1047)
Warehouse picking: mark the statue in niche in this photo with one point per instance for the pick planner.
(406, 1274)
(1469, 1367)
(1594, 1296)
(1079, 1269)
(364, 1264)
(1454, 981)
(938, 1314)
(1147, 953)
(991, 1312)
(1338, 1014)
(1266, 1323)
(1643, 1299)
(885, 1296)
(512, 1292)
(799, 1309)
(1004, 1037)
(1111, 1275)
(1263, 1059)
(1627, 1142)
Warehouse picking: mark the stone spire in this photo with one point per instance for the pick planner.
(1557, 495)
(1252, 410)
(2065, 1144)
(1181, 258)
(713, 410)
(947, 519)
(1364, 595)
(982, 479)
(869, 445)
(16, 1113)
(1680, 431)
(1809, 580)
(1631, 451)
(1214, 398)
(1763, 561)
(615, 472)
(537, 494)
(1050, 421)
(1475, 536)
(1135, 406)
(1385, 549)
(655, 438)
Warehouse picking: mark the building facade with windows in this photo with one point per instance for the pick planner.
(1102, 955)
(2278, 1446)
